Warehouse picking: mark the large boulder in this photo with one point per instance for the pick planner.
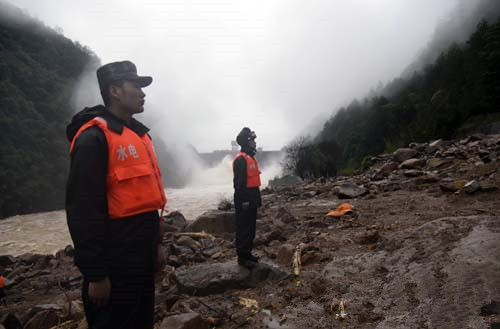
(285, 181)
(388, 168)
(404, 154)
(350, 191)
(175, 222)
(216, 278)
(184, 321)
(214, 221)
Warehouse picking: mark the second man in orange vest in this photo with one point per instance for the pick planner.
(113, 195)
(246, 196)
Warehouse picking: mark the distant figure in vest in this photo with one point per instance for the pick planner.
(113, 195)
(2, 292)
(246, 196)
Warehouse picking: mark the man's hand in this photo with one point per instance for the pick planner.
(162, 229)
(99, 292)
(160, 259)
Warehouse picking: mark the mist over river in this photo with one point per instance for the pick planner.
(47, 232)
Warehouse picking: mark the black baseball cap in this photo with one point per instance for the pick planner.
(245, 135)
(116, 71)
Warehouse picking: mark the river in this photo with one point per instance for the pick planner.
(47, 232)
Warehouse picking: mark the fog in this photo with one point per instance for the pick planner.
(275, 66)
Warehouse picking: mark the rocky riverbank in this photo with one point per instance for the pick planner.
(419, 250)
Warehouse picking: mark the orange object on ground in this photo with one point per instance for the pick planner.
(134, 180)
(341, 210)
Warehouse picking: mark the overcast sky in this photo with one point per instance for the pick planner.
(272, 65)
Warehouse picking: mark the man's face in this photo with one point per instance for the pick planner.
(252, 143)
(130, 97)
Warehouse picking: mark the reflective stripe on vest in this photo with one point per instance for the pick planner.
(134, 179)
(253, 172)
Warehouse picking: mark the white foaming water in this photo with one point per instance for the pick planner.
(47, 233)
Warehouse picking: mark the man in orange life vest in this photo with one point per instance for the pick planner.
(246, 196)
(113, 195)
(2, 293)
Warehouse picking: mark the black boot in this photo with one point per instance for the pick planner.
(253, 258)
(245, 262)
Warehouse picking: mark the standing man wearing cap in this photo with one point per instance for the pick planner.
(246, 196)
(113, 195)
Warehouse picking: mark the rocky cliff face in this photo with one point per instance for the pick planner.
(419, 250)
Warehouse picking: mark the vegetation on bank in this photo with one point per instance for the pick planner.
(458, 93)
(38, 72)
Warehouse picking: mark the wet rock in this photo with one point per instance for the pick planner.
(43, 320)
(412, 164)
(216, 278)
(487, 156)
(472, 187)
(32, 312)
(492, 308)
(310, 257)
(174, 261)
(69, 251)
(184, 321)
(488, 187)
(285, 215)
(453, 186)
(310, 194)
(214, 221)
(420, 147)
(10, 321)
(83, 324)
(434, 146)
(188, 242)
(319, 285)
(427, 179)
(404, 154)
(413, 173)
(211, 251)
(367, 237)
(77, 311)
(285, 254)
(30, 259)
(455, 152)
(388, 167)
(17, 272)
(275, 235)
(350, 191)
(175, 222)
(376, 175)
(6, 260)
(436, 163)
(285, 181)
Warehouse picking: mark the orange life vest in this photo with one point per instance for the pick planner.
(134, 179)
(253, 172)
